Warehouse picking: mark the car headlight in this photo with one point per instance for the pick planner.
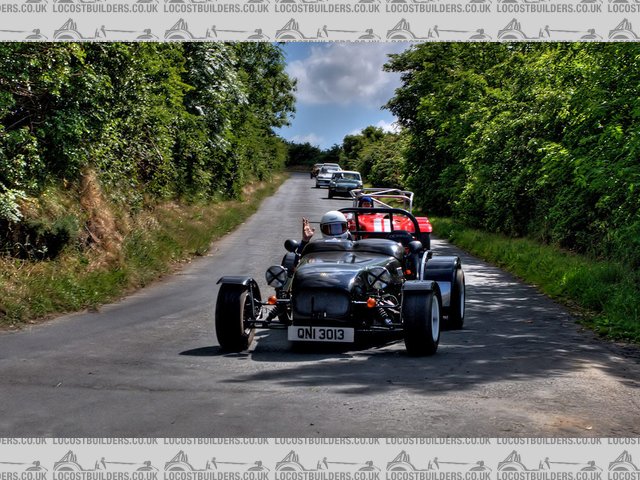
(378, 278)
(276, 276)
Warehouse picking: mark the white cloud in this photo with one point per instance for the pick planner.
(390, 127)
(311, 138)
(346, 74)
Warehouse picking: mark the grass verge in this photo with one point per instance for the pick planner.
(604, 294)
(161, 238)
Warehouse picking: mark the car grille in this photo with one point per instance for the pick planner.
(315, 303)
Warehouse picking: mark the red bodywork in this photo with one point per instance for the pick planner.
(379, 222)
(401, 201)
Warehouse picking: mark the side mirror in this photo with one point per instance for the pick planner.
(291, 245)
(415, 246)
(289, 262)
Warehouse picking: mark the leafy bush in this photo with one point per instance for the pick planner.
(9, 207)
(156, 121)
(527, 139)
(37, 239)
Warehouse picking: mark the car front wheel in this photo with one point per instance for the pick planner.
(234, 311)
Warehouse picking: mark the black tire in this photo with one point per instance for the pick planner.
(421, 318)
(330, 194)
(425, 239)
(457, 305)
(286, 316)
(233, 309)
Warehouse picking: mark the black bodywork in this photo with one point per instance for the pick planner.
(386, 281)
(330, 283)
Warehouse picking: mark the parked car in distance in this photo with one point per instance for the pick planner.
(324, 175)
(342, 182)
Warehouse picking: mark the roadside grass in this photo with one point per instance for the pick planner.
(604, 295)
(158, 241)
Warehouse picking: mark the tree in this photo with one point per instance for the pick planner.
(526, 139)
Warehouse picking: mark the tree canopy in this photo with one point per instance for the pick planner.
(159, 119)
(527, 139)
(151, 121)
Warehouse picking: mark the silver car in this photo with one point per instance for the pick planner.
(324, 175)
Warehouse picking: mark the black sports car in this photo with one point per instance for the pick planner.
(377, 281)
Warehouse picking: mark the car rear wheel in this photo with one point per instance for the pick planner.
(425, 239)
(285, 316)
(233, 315)
(421, 315)
(457, 307)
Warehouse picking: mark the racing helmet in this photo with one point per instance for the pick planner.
(364, 199)
(333, 224)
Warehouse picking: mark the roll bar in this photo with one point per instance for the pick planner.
(379, 195)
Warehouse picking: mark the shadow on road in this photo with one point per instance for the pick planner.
(212, 351)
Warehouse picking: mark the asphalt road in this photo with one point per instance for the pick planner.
(149, 365)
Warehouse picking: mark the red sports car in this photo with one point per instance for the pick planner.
(376, 220)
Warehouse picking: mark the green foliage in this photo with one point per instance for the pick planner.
(607, 293)
(157, 121)
(353, 146)
(37, 239)
(307, 154)
(527, 139)
(240, 93)
(9, 208)
(77, 280)
(381, 161)
(377, 155)
(304, 154)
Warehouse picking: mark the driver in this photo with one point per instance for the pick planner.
(365, 201)
(333, 226)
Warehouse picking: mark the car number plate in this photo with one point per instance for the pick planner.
(320, 334)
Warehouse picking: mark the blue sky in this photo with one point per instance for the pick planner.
(341, 87)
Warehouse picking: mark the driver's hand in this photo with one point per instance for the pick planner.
(307, 230)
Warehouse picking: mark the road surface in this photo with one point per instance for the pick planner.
(149, 365)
